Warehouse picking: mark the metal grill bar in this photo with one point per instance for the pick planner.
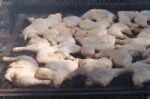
(78, 2)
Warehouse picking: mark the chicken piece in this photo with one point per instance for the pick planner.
(142, 18)
(58, 34)
(98, 71)
(71, 21)
(117, 30)
(54, 19)
(47, 54)
(98, 15)
(92, 43)
(50, 21)
(147, 60)
(34, 45)
(19, 58)
(146, 53)
(141, 73)
(120, 57)
(133, 49)
(103, 76)
(144, 33)
(40, 26)
(97, 31)
(51, 35)
(21, 72)
(67, 47)
(87, 24)
(23, 77)
(57, 71)
(145, 41)
(126, 17)
(87, 65)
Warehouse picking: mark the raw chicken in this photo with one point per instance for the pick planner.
(143, 38)
(147, 60)
(87, 24)
(53, 19)
(71, 21)
(117, 30)
(92, 43)
(103, 76)
(19, 58)
(142, 18)
(98, 15)
(47, 54)
(58, 34)
(40, 26)
(34, 45)
(119, 57)
(67, 48)
(146, 53)
(87, 65)
(97, 31)
(133, 49)
(141, 73)
(57, 71)
(21, 72)
(126, 17)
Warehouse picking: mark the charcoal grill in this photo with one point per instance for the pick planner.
(120, 88)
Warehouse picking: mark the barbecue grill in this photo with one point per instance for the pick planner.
(119, 88)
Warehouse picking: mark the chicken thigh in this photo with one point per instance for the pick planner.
(86, 65)
(40, 26)
(71, 21)
(142, 18)
(126, 17)
(120, 57)
(87, 24)
(103, 76)
(117, 30)
(57, 71)
(21, 71)
(34, 45)
(98, 15)
(141, 73)
(92, 43)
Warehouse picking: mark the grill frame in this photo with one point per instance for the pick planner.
(70, 92)
(7, 90)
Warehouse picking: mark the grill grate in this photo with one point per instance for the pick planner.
(133, 96)
(119, 87)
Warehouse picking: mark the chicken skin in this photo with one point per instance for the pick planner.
(92, 43)
(142, 18)
(40, 26)
(126, 17)
(98, 15)
(141, 73)
(119, 57)
(22, 70)
(57, 71)
(117, 30)
(71, 21)
(87, 24)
